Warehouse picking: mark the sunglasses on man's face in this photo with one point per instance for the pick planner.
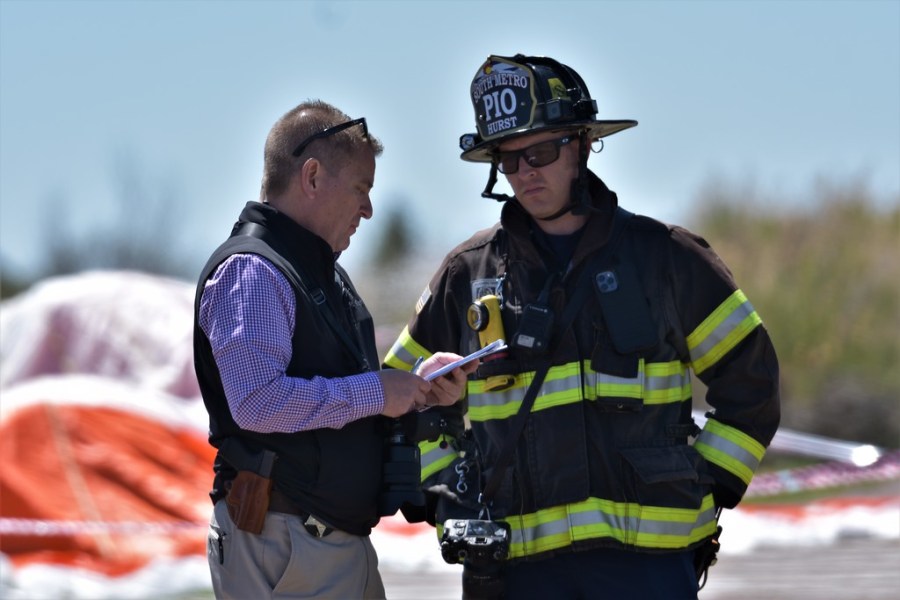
(536, 155)
(330, 131)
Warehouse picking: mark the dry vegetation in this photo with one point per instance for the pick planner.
(826, 280)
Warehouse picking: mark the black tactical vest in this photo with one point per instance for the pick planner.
(335, 474)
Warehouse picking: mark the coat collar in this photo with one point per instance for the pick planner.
(301, 245)
(519, 224)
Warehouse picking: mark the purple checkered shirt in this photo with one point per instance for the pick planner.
(247, 311)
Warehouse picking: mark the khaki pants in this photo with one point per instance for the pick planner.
(286, 562)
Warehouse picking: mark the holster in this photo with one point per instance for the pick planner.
(248, 501)
(705, 556)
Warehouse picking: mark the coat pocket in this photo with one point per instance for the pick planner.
(672, 476)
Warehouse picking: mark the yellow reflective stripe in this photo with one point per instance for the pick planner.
(628, 523)
(562, 385)
(666, 382)
(433, 457)
(554, 527)
(730, 448)
(405, 351)
(656, 383)
(721, 331)
(611, 386)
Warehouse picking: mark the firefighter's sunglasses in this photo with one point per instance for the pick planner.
(536, 155)
(329, 131)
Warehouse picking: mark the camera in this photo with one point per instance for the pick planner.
(482, 546)
(474, 540)
(401, 469)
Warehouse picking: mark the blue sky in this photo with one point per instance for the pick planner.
(764, 94)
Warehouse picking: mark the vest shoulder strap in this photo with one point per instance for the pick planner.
(300, 281)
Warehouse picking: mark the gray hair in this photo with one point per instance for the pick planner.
(297, 125)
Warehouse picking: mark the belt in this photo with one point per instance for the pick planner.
(278, 502)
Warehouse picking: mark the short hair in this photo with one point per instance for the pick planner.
(298, 124)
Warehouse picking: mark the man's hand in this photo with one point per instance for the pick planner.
(403, 392)
(449, 388)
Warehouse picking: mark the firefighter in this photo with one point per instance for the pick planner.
(576, 449)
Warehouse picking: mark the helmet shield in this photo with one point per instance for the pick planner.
(518, 95)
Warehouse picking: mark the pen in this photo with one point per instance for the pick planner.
(417, 364)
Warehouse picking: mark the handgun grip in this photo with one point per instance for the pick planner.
(248, 501)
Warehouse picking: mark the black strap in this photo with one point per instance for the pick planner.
(316, 295)
(582, 290)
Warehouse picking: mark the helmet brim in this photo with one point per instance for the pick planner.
(596, 129)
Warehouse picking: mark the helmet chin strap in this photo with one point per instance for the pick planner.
(579, 194)
(489, 188)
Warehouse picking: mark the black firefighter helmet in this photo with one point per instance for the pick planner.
(520, 95)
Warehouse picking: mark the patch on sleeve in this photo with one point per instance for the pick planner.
(426, 295)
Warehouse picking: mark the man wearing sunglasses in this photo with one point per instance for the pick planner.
(285, 355)
(595, 477)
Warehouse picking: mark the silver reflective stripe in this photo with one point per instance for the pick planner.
(434, 455)
(593, 517)
(660, 383)
(628, 523)
(725, 446)
(532, 534)
(516, 393)
(563, 386)
(607, 379)
(723, 329)
(402, 353)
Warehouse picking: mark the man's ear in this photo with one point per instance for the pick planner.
(311, 176)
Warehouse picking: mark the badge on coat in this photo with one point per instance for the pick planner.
(487, 287)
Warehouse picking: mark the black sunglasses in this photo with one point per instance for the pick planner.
(330, 131)
(536, 155)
